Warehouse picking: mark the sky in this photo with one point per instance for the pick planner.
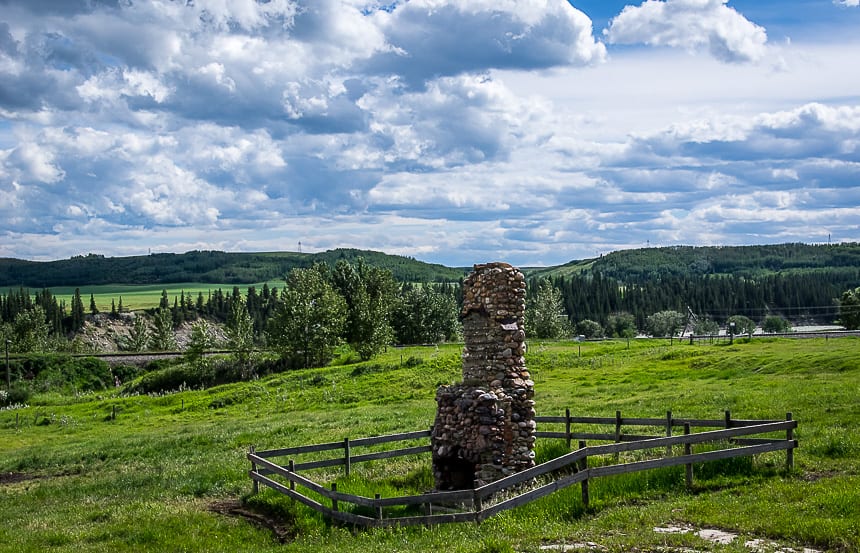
(453, 131)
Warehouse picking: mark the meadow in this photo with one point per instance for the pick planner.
(109, 471)
(147, 296)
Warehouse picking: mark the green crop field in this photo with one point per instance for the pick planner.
(111, 472)
(147, 296)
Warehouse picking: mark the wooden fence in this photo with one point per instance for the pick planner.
(735, 438)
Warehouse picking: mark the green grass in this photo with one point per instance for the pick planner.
(146, 296)
(146, 480)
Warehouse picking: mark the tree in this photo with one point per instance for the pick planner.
(30, 331)
(369, 293)
(163, 338)
(743, 325)
(138, 336)
(77, 311)
(665, 323)
(201, 340)
(240, 332)
(310, 318)
(621, 325)
(706, 325)
(424, 315)
(589, 329)
(849, 309)
(775, 323)
(545, 315)
(94, 310)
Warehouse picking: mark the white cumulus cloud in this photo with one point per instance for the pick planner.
(692, 25)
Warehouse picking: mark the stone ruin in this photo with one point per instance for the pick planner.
(485, 428)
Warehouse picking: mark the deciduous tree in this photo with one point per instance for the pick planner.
(545, 315)
(310, 318)
(665, 323)
(849, 309)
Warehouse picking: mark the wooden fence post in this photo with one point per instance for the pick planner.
(567, 425)
(688, 450)
(728, 419)
(378, 507)
(334, 499)
(477, 503)
(789, 453)
(669, 428)
(617, 432)
(346, 455)
(583, 465)
(292, 468)
(255, 486)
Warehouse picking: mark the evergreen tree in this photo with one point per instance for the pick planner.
(77, 317)
(94, 310)
(163, 338)
(138, 337)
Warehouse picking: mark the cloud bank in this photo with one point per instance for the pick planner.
(452, 131)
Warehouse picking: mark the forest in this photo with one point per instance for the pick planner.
(203, 266)
(381, 299)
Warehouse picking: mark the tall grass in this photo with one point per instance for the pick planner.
(103, 471)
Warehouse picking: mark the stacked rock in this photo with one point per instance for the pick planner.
(485, 427)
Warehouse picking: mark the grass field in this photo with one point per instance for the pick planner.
(146, 296)
(76, 479)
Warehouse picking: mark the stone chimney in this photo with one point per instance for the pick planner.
(484, 428)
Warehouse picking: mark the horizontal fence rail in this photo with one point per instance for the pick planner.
(731, 439)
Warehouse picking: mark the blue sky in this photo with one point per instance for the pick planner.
(453, 131)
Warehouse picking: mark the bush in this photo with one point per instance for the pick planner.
(774, 324)
(18, 395)
(63, 372)
(204, 373)
(589, 329)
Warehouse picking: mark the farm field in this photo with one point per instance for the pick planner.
(146, 296)
(112, 472)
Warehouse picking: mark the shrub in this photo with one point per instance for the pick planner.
(18, 395)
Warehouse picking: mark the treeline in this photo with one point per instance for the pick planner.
(203, 266)
(357, 304)
(805, 296)
(741, 261)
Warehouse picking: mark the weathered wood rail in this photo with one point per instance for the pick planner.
(735, 438)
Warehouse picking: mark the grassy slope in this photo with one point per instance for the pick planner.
(146, 479)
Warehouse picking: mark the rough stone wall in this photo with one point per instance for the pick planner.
(485, 427)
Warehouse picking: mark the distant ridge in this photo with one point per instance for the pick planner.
(204, 266)
(635, 265)
(746, 261)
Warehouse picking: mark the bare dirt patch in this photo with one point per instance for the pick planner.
(14, 477)
(282, 531)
